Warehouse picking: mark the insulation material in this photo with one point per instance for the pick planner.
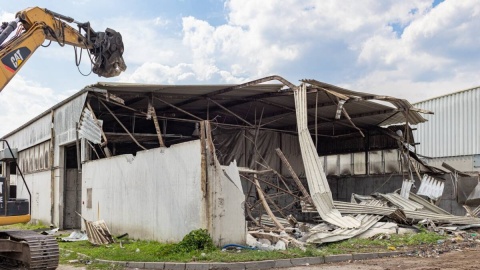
(431, 187)
(317, 181)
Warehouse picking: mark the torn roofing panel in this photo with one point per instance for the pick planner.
(316, 179)
(402, 105)
(366, 221)
(260, 100)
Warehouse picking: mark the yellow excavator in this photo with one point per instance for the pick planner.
(19, 39)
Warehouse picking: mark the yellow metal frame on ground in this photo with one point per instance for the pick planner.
(8, 220)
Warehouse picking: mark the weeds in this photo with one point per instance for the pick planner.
(198, 246)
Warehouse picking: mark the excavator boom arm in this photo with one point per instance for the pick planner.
(39, 24)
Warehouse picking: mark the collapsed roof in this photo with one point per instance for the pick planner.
(333, 112)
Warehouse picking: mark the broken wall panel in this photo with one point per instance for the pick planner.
(162, 202)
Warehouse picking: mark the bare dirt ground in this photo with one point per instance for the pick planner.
(461, 259)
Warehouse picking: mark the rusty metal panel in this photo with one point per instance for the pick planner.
(454, 128)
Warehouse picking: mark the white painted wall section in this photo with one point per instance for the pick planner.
(155, 195)
(228, 199)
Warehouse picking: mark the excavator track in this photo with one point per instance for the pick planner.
(28, 250)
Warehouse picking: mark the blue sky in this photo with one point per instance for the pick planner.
(413, 49)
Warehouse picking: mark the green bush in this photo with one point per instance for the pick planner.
(196, 240)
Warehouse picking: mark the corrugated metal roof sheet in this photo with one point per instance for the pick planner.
(316, 178)
(431, 187)
(400, 104)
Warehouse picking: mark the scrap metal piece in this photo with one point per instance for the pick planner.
(406, 187)
(401, 202)
(431, 187)
(317, 181)
(427, 205)
(366, 221)
(474, 197)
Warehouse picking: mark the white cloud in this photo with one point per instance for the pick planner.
(160, 74)
(23, 100)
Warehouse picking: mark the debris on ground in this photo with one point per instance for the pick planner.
(374, 216)
(76, 236)
(98, 232)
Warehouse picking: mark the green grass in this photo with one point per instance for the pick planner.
(356, 245)
(26, 226)
(196, 246)
(151, 251)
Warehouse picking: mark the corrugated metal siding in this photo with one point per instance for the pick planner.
(453, 129)
(65, 118)
(31, 135)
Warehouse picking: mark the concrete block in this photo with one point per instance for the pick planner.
(300, 261)
(227, 266)
(283, 263)
(135, 264)
(104, 261)
(174, 266)
(197, 266)
(120, 263)
(260, 265)
(316, 260)
(364, 256)
(338, 258)
(154, 265)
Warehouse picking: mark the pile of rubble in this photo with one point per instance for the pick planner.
(364, 216)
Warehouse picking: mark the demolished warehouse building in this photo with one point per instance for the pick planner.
(158, 161)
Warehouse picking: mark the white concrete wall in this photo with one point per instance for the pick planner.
(228, 224)
(154, 195)
(39, 184)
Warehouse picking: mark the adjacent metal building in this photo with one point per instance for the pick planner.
(452, 134)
